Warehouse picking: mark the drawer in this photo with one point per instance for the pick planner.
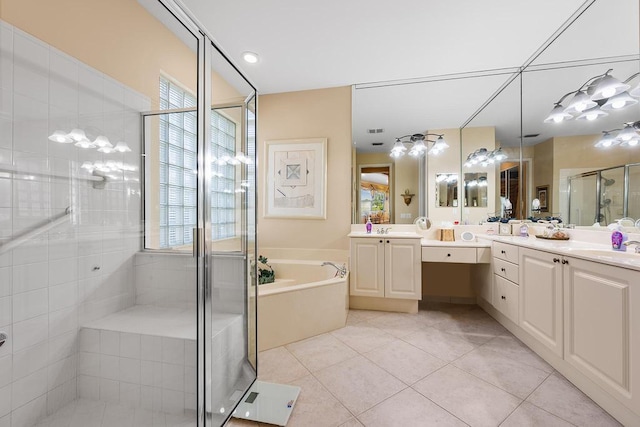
(505, 269)
(449, 254)
(505, 252)
(506, 298)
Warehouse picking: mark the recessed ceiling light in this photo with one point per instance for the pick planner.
(250, 57)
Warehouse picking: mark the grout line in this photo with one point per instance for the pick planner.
(543, 409)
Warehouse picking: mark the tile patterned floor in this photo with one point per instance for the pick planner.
(448, 365)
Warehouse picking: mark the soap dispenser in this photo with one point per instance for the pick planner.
(369, 226)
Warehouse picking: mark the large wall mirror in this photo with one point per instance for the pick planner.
(581, 153)
(491, 115)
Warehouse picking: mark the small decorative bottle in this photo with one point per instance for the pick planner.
(369, 225)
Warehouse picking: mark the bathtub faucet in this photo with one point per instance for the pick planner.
(342, 269)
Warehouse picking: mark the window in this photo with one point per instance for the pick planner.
(178, 167)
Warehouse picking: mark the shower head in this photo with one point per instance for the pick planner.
(608, 181)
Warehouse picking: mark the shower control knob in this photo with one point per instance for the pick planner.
(3, 338)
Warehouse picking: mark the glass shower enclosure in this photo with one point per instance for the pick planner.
(200, 181)
(127, 217)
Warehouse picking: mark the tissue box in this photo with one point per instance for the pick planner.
(446, 235)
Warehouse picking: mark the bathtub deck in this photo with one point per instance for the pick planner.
(160, 321)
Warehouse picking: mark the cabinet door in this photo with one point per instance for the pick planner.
(602, 337)
(505, 297)
(541, 297)
(367, 267)
(403, 269)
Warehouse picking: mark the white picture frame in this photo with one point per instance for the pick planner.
(296, 178)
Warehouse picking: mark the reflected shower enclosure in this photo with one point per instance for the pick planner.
(127, 218)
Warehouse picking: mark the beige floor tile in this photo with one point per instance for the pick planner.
(430, 316)
(359, 384)
(558, 396)
(279, 366)
(408, 408)
(357, 316)
(362, 337)
(471, 399)
(398, 324)
(316, 406)
(528, 415)
(404, 361)
(513, 348)
(352, 423)
(320, 351)
(474, 328)
(500, 370)
(440, 344)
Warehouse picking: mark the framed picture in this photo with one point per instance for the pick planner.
(296, 178)
(542, 193)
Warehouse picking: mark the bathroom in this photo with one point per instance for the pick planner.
(108, 251)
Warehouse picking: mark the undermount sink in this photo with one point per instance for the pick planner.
(606, 253)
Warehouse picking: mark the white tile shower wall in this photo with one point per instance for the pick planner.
(137, 370)
(79, 271)
(165, 279)
(169, 280)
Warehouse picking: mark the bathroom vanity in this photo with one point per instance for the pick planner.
(385, 271)
(575, 304)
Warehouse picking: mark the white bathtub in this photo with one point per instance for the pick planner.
(305, 300)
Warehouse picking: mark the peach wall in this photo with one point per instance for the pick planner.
(324, 113)
(141, 47)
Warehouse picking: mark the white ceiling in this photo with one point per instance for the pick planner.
(317, 44)
(308, 45)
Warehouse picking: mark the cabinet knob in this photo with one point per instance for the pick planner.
(503, 297)
(387, 241)
(448, 254)
(503, 270)
(564, 261)
(380, 241)
(503, 252)
(556, 260)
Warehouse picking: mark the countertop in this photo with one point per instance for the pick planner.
(574, 248)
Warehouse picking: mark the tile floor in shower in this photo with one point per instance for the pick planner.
(447, 365)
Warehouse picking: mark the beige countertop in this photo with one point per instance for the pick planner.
(575, 248)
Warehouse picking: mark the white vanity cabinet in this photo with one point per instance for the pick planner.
(602, 327)
(385, 267)
(541, 297)
(505, 280)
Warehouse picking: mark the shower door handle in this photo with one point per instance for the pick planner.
(198, 241)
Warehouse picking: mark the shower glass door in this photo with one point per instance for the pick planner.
(583, 199)
(229, 240)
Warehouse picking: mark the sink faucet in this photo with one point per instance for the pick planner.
(342, 269)
(383, 230)
(633, 242)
